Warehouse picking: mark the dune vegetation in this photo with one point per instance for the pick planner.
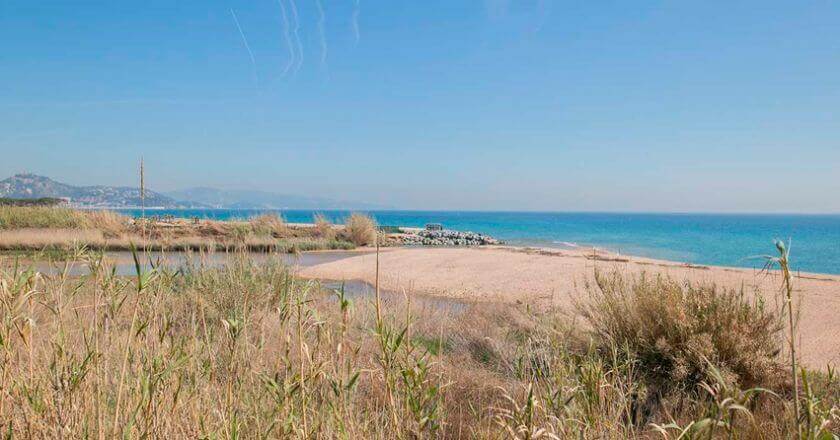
(360, 229)
(64, 229)
(251, 351)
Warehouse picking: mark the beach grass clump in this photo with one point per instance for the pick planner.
(110, 223)
(270, 224)
(323, 228)
(676, 331)
(360, 229)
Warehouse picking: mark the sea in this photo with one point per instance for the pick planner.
(738, 240)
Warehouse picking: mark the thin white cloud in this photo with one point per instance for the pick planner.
(322, 32)
(296, 35)
(247, 46)
(288, 39)
(354, 21)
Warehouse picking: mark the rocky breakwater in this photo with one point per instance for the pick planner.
(448, 238)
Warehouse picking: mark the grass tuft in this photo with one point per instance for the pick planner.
(271, 225)
(360, 229)
(323, 227)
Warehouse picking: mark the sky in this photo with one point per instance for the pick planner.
(673, 106)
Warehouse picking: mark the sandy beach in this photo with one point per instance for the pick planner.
(553, 278)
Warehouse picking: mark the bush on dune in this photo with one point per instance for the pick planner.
(676, 331)
(323, 228)
(268, 225)
(360, 229)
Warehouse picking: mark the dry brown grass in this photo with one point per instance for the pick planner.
(108, 222)
(35, 229)
(323, 227)
(360, 229)
(677, 330)
(248, 351)
(271, 225)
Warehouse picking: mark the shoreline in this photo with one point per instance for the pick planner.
(711, 239)
(609, 256)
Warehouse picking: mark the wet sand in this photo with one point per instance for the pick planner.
(552, 278)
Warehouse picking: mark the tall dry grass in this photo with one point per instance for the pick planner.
(676, 330)
(360, 229)
(272, 225)
(323, 227)
(249, 351)
(18, 217)
(45, 228)
(32, 217)
(108, 222)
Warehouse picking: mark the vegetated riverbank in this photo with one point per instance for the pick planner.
(61, 231)
(251, 351)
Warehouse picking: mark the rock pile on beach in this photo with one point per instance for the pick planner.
(448, 238)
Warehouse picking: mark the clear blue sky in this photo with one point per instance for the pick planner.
(535, 105)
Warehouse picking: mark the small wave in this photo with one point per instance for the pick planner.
(567, 244)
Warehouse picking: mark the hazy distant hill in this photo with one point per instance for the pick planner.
(243, 199)
(31, 186)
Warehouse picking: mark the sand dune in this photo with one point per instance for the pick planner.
(552, 278)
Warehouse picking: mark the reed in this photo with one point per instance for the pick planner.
(360, 229)
(251, 351)
(271, 225)
(323, 227)
(61, 229)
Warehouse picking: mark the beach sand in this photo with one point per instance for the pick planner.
(553, 278)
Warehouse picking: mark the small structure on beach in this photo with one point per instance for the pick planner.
(434, 227)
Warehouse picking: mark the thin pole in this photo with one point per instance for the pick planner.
(142, 191)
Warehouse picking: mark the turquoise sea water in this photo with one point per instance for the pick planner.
(713, 239)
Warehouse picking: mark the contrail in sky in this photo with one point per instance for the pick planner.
(322, 33)
(295, 33)
(247, 46)
(355, 20)
(287, 38)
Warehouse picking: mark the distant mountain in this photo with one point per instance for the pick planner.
(31, 186)
(243, 199)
